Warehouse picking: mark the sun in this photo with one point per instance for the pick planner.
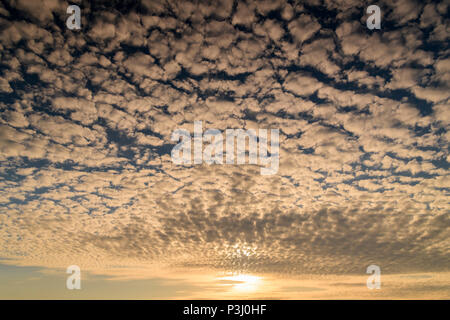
(243, 282)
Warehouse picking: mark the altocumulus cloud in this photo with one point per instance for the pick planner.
(86, 119)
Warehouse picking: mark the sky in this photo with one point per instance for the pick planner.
(87, 177)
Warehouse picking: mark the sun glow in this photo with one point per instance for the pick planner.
(242, 282)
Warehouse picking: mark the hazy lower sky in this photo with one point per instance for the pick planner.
(87, 177)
